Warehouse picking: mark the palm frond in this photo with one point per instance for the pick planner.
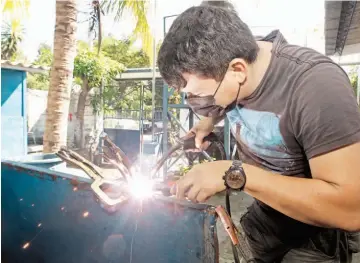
(15, 11)
(139, 10)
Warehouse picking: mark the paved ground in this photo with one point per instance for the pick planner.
(238, 208)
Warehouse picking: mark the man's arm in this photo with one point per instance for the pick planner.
(330, 199)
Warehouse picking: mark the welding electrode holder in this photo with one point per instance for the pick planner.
(188, 141)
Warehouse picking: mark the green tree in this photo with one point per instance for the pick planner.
(124, 95)
(91, 68)
(64, 54)
(44, 58)
(10, 41)
(122, 52)
(139, 10)
(45, 55)
(353, 75)
(15, 11)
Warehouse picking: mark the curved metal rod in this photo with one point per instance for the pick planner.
(120, 155)
(163, 159)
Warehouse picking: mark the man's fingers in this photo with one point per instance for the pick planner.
(192, 193)
(202, 196)
(205, 145)
(182, 186)
(199, 140)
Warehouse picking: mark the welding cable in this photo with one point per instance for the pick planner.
(187, 143)
(228, 210)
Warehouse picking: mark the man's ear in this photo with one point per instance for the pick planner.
(238, 67)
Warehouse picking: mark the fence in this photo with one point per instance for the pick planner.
(134, 115)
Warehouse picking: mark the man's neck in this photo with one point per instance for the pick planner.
(259, 67)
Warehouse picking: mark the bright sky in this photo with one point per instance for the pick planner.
(293, 18)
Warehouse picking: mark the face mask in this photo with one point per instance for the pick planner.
(205, 106)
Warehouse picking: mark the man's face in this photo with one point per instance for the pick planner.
(201, 86)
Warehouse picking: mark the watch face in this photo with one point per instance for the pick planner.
(235, 179)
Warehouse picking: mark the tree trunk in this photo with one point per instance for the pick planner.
(80, 112)
(61, 76)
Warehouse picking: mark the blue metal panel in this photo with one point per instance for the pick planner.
(13, 113)
(44, 220)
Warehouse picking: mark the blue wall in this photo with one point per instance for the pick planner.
(13, 113)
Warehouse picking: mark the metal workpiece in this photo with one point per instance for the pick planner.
(53, 216)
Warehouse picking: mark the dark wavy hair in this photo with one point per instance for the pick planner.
(203, 40)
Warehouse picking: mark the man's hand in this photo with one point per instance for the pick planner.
(202, 181)
(203, 128)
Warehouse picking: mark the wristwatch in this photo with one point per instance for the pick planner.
(235, 177)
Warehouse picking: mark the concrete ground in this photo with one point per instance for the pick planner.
(239, 204)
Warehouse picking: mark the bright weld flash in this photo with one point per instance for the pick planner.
(141, 187)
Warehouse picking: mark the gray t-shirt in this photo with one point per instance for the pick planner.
(303, 107)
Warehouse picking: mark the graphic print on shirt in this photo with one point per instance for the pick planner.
(259, 132)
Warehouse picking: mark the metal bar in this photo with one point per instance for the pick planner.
(177, 159)
(183, 98)
(164, 26)
(156, 95)
(171, 92)
(347, 13)
(179, 106)
(101, 139)
(207, 156)
(191, 119)
(178, 122)
(187, 117)
(227, 138)
(153, 76)
(358, 86)
(234, 152)
(141, 123)
(165, 126)
(352, 63)
(164, 21)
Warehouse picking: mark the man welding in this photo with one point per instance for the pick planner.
(297, 123)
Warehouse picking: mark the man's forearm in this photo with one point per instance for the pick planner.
(311, 201)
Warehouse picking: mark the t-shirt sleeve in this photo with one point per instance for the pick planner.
(324, 113)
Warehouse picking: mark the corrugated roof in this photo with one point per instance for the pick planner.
(342, 25)
(17, 65)
(138, 74)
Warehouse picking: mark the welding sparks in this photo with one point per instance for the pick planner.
(39, 225)
(85, 214)
(75, 189)
(141, 187)
(26, 245)
(62, 208)
(32, 205)
(21, 199)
